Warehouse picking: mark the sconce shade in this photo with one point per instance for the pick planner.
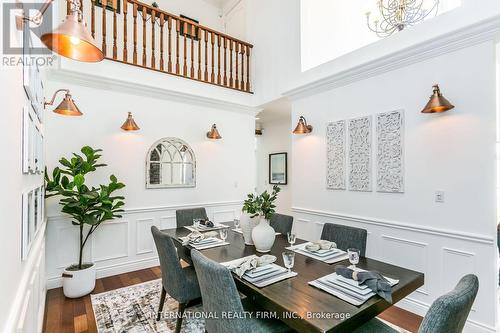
(302, 127)
(437, 102)
(214, 133)
(129, 124)
(72, 40)
(68, 107)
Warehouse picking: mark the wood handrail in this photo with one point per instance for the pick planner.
(163, 42)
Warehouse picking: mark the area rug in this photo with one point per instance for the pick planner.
(133, 310)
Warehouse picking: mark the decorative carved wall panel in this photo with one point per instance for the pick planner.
(335, 155)
(360, 151)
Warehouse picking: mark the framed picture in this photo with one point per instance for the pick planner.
(32, 217)
(110, 5)
(278, 173)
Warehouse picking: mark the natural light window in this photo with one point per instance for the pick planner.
(332, 28)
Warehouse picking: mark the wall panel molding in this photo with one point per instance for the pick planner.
(144, 241)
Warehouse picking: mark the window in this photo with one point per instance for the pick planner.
(170, 163)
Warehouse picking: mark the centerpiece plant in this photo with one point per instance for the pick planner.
(88, 206)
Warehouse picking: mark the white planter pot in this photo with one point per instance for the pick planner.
(247, 224)
(79, 283)
(263, 236)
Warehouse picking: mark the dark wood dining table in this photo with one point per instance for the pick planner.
(301, 306)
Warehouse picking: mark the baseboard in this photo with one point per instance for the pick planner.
(110, 270)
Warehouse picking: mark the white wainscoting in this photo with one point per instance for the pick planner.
(29, 305)
(444, 256)
(121, 245)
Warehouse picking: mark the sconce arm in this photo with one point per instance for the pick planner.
(54, 97)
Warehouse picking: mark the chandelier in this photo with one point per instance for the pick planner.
(399, 14)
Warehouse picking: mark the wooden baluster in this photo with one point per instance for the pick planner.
(162, 22)
(236, 79)
(169, 66)
(104, 3)
(231, 63)
(177, 27)
(134, 55)
(185, 69)
(206, 55)
(92, 18)
(218, 59)
(115, 50)
(225, 61)
(81, 7)
(199, 54)
(68, 7)
(212, 41)
(193, 32)
(144, 16)
(153, 22)
(242, 84)
(125, 9)
(248, 68)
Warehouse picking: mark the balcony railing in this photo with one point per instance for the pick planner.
(141, 35)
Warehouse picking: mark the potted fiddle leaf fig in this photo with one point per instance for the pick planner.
(88, 206)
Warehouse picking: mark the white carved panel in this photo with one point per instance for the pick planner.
(335, 159)
(390, 154)
(144, 236)
(360, 154)
(408, 254)
(110, 241)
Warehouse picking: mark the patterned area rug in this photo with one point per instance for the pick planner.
(133, 310)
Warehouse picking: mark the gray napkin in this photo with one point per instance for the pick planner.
(196, 236)
(251, 263)
(373, 280)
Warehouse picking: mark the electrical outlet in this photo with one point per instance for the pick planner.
(439, 196)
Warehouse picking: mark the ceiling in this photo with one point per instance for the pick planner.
(277, 110)
(218, 3)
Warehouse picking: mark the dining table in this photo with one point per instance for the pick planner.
(293, 301)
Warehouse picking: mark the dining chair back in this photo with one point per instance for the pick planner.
(282, 223)
(345, 237)
(185, 217)
(449, 312)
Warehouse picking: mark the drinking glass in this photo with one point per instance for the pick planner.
(288, 259)
(353, 257)
(237, 224)
(196, 223)
(291, 238)
(223, 234)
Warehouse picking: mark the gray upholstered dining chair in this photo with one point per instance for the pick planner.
(219, 295)
(447, 314)
(185, 217)
(345, 236)
(180, 283)
(281, 223)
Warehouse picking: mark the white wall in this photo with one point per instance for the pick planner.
(22, 283)
(225, 169)
(276, 138)
(453, 152)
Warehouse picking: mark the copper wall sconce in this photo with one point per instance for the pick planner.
(214, 133)
(437, 102)
(130, 124)
(67, 107)
(71, 38)
(302, 127)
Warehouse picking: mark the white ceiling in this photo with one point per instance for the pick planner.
(218, 3)
(277, 110)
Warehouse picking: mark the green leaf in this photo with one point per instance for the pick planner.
(79, 180)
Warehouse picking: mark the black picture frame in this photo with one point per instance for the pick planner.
(278, 176)
(109, 5)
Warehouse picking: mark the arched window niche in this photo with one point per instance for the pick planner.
(170, 163)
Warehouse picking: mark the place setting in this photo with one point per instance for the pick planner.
(263, 271)
(322, 250)
(207, 240)
(355, 285)
(205, 225)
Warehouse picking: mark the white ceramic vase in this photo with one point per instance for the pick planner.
(263, 236)
(247, 224)
(79, 283)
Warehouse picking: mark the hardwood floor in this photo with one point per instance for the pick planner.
(64, 315)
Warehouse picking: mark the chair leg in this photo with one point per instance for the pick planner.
(182, 307)
(162, 302)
